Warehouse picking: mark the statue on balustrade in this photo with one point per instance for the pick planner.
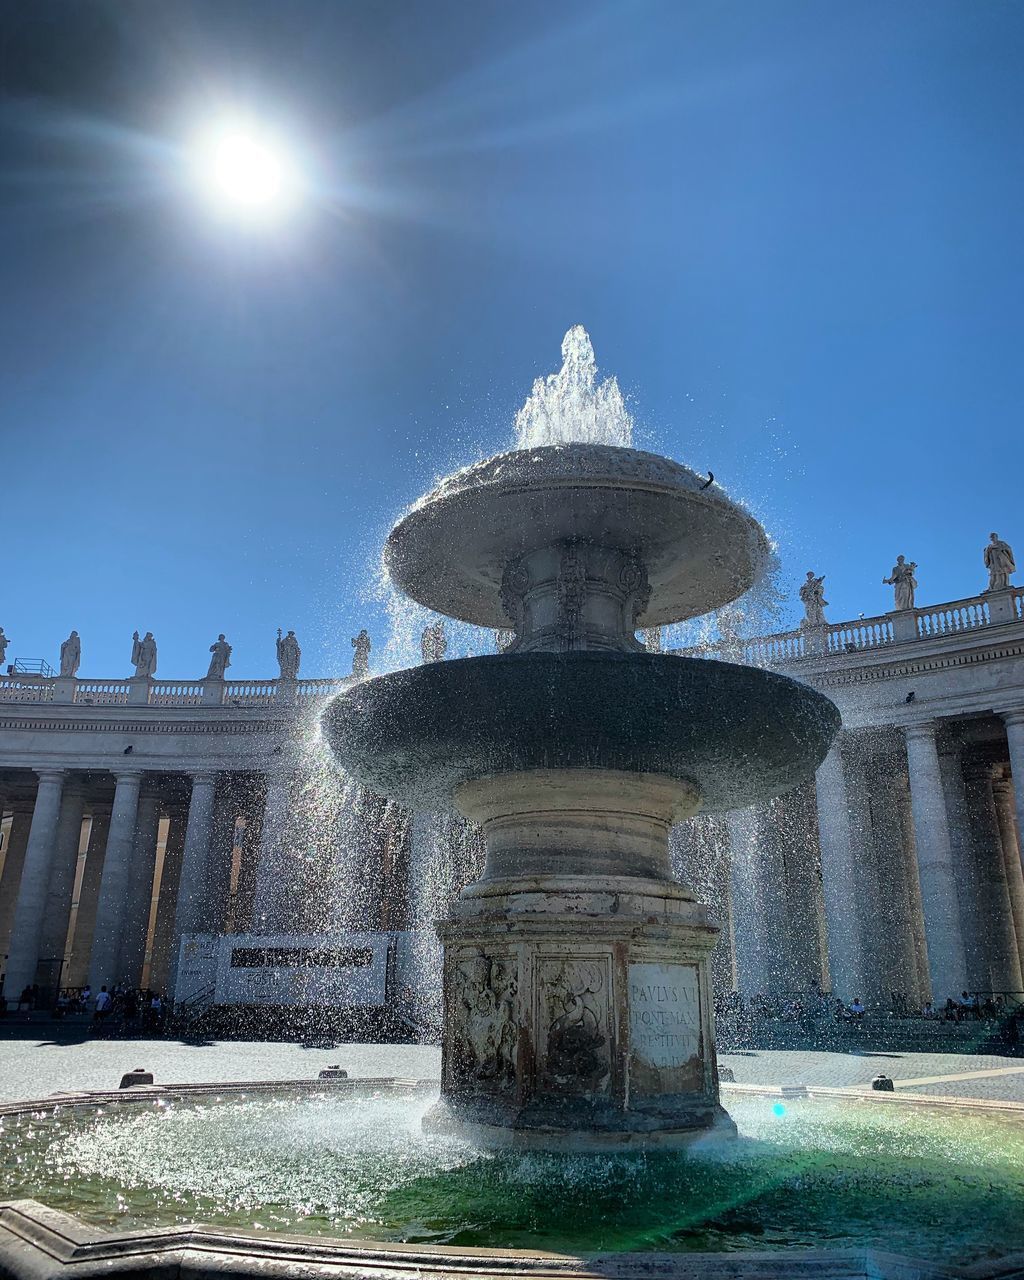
(144, 655)
(4, 642)
(903, 582)
(812, 594)
(221, 659)
(71, 655)
(361, 658)
(289, 655)
(650, 638)
(434, 642)
(999, 562)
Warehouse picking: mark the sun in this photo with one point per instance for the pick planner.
(246, 172)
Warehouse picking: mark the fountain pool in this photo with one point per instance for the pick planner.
(841, 1175)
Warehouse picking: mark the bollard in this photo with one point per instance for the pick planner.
(139, 1076)
(883, 1084)
(333, 1072)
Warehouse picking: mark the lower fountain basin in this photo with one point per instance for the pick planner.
(807, 1188)
(739, 734)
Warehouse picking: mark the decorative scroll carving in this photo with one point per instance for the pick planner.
(572, 590)
(575, 1011)
(515, 582)
(484, 996)
(636, 588)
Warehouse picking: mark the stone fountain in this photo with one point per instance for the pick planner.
(577, 995)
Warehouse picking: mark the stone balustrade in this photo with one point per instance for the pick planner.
(165, 693)
(839, 638)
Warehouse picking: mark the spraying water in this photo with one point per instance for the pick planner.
(571, 405)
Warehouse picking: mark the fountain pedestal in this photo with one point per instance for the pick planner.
(578, 1006)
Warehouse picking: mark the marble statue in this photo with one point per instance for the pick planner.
(144, 655)
(999, 562)
(812, 594)
(434, 642)
(361, 658)
(4, 642)
(289, 655)
(70, 655)
(221, 659)
(903, 582)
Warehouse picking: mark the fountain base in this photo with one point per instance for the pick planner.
(577, 996)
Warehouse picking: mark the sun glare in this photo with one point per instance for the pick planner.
(246, 172)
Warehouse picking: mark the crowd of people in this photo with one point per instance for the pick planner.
(124, 1010)
(817, 1006)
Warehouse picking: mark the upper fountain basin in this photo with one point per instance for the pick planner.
(739, 734)
(451, 549)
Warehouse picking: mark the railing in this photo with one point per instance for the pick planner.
(768, 650)
(102, 693)
(864, 633)
(250, 693)
(31, 667)
(176, 693)
(22, 689)
(959, 615)
(321, 688)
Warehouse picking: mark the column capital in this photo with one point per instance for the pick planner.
(50, 775)
(920, 730)
(204, 778)
(1013, 716)
(127, 775)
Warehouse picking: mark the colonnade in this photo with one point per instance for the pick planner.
(102, 874)
(898, 872)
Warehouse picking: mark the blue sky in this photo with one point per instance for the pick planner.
(792, 229)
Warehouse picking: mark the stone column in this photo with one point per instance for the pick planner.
(1002, 794)
(946, 959)
(1003, 959)
(973, 925)
(1014, 721)
(749, 937)
(839, 875)
(218, 869)
(901, 792)
(110, 911)
(271, 911)
(894, 929)
(132, 951)
(14, 859)
(23, 948)
(192, 886)
(88, 897)
(167, 898)
(53, 935)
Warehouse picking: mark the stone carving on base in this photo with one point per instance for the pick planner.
(999, 562)
(576, 994)
(434, 642)
(812, 595)
(4, 642)
(361, 657)
(71, 655)
(903, 582)
(572, 588)
(289, 655)
(144, 655)
(220, 659)
(485, 990)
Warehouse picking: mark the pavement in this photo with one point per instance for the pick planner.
(37, 1061)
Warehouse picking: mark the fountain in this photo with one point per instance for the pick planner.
(577, 995)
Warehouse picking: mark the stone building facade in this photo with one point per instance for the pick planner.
(138, 811)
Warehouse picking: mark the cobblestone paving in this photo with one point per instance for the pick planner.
(34, 1065)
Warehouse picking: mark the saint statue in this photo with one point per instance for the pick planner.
(650, 638)
(812, 593)
(144, 655)
(4, 642)
(361, 658)
(999, 562)
(289, 655)
(903, 582)
(70, 655)
(434, 642)
(221, 659)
